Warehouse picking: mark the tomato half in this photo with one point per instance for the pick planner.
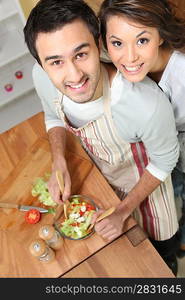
(32, 216)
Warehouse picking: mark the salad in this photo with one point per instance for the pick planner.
(40, 189)
(79, 219)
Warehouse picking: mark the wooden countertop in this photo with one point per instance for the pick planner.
(121, 259)
(16, 234)
(25, 155)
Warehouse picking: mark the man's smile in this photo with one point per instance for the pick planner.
(78, 87)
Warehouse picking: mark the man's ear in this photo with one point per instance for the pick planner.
(100, 44)
(161, 41)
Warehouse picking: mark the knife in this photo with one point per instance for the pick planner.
(22, 207)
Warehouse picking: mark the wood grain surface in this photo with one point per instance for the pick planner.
(24, 155)
(27, 150)
(34, 161)
(121, 259)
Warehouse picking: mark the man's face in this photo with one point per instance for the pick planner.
(71, 59)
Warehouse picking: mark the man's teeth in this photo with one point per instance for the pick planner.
(78, 85)
(133, 69)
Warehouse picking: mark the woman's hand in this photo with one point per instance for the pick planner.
(110, 227)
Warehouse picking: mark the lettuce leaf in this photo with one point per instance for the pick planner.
(40, 190)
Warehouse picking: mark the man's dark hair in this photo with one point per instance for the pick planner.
(51, 15)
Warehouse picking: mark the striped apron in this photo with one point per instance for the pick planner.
(122, 163)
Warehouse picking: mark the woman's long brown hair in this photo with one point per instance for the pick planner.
(161, 14)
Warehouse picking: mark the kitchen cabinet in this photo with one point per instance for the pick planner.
(18, 99)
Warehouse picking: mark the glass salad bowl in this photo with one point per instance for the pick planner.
(79, 213)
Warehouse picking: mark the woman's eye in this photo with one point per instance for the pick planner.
(142, 41)
(116, 44)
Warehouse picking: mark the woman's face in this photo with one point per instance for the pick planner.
(133, 48)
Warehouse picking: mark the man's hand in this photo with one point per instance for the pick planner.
(53, 186)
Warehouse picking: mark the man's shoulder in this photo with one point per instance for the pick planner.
(41, 77)
(41, 80)
(38, 72)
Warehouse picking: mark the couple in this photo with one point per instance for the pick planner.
(126, 127)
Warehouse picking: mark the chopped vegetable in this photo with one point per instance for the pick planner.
(32, 216)
(40, 189)
(79, 219)
(51, 210)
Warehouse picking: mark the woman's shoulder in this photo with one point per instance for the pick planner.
(179, 55)
(174, 72)
(176, 62)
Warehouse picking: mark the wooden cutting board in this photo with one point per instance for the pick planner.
(16, 234)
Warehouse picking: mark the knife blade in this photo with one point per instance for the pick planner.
(22, 207)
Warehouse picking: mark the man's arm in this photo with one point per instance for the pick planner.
(56, 132)
(57, 139)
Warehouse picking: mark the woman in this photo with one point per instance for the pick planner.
(145, 37)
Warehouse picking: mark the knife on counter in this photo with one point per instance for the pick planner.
(22, 207)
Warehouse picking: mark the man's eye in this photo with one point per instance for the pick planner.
(81, 55)
(56, 63)
(116, 44)
(142, 41)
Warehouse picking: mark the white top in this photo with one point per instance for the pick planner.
(141, 112)
(173, 84)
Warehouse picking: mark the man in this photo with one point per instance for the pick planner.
(127, 129)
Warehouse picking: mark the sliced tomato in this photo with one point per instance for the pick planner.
(89, 207)
(32, 216)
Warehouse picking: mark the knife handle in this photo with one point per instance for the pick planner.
(9, 205)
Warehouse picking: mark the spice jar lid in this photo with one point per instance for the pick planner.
(46, 232)
(37, 247)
